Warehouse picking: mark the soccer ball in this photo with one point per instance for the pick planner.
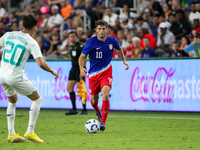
(92, 126)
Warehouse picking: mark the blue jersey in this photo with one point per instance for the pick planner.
(100, 53)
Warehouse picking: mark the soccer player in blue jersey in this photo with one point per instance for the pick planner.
(100, 50)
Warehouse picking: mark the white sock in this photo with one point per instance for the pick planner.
(33, 114)
(11, 117)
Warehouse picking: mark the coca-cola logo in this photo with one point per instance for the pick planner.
(152, 88)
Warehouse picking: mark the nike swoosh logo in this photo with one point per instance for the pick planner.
(98, 48)
(9, 114)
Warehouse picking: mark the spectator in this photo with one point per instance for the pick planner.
(89, 10)
(55, 20)
(77, 22)
(126, 31)
(197, 7)
(39, 17)
(154, 7)
(125, 23)
(192, 14)
(36, 6)
(25, 9)
(137, 50)
(140, 7)
(64, 46)
(164, 41)
(79, 4)
(141, 24)
(54, 44)
(2, 28)
(167, 10)
(126, 12)
(148, 19)
(122, 39)
(110, 32)
(162, 19)
(147, 51)
(110, 17)
(196, 28)
(79, 32)
(155, 25)
(117, 26)
(46, 15)
(66, 8)
(176, 6)
(185, 41)
(133, 31)
(68, 24)
(180, 27)
(46, 43)
(143, 33)
(129, 49)
(99, 6)
(3, 12)
(176, 52)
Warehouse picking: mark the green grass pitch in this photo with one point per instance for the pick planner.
(124, 131)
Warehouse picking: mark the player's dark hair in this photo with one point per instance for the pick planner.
(101, 23)
(29, 21)
(73, 32)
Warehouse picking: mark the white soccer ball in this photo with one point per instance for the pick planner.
(92, 126)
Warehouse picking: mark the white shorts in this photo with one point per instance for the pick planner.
(23, 86)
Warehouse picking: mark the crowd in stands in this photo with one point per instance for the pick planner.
(156, 28)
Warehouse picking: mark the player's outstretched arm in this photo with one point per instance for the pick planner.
(42, 63)
(120, 52)
(82, 61)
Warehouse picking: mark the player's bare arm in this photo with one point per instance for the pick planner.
(120, 52)
(42, 63)
(82, 61)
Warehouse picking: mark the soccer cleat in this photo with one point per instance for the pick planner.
(102, 127)
(98, 114)
(84, 112)
(15, 138)
(72, 112)
(33, 137)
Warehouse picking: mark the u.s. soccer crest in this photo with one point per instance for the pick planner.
(74, 53)
(110, 46)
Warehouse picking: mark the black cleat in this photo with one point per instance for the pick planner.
(84, 112)
(72, 112)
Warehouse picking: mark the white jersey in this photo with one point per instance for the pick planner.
(17, 48)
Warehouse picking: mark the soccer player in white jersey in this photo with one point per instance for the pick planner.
(18, 45)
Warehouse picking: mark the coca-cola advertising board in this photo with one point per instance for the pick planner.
(148, 85)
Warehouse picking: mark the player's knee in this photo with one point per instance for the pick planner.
(105, 96)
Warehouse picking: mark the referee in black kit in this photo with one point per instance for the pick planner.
(74, 75)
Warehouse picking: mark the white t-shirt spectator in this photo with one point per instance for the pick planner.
(57, 19)
(169, 38)
(2, 12)
(110, 20)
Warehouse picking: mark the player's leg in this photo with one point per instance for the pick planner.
(25, 87)
(94, 103)
(105, 106)
(33, 116)
(70, 88)
(12, 136)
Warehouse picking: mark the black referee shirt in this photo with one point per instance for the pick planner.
(75, 52)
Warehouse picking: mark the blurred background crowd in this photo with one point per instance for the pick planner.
(144, 28)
